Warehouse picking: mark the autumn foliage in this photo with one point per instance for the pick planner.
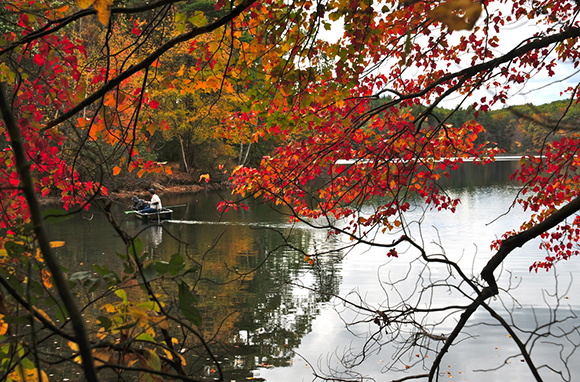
(339, 95)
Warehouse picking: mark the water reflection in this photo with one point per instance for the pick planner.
(265, 307)
(252, 310)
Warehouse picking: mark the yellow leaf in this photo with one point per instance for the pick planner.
(204, 176)
(73, 346)
(84, 3)
(457, 14)
(103, 8)
(172, 355)
(116, 170)
(22, 374)
(102, 355)
(137, 313)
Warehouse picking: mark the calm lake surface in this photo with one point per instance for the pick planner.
(280, 321)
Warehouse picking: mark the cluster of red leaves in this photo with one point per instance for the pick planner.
(46, 88)
(550, 181)
(49, 76)
(333, 169)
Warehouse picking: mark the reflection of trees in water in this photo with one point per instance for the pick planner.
(263, 303)
(253, 310)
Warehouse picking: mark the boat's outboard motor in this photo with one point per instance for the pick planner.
(138, 204)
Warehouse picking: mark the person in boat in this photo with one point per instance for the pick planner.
(138, 204)
(154, 203)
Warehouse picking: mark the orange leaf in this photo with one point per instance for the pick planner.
(56, 244)
(116, 170)
(3, 325)
(45, 275)
(213, 83)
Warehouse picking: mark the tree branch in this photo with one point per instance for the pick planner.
(518, 240)
(53, 26)
(465, 74)
(111, 84)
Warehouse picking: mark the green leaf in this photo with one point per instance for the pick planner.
(148, 273)
(198, 19)
(123, 295)
(36, 288)
(180, 19)
(103, 270)
(150, 305)
(191, 270)
(145, 337)
(24, 319)
(176, 264)
(14, 249)
(153, 360)
(92, 284)
(161, 266)
(186, 304)
(136, 247)
(104, 322)
(128, 269)
(334, 16)
(27, 364)
(61, 314)
(127, 326)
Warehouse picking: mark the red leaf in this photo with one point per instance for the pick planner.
(39, 60)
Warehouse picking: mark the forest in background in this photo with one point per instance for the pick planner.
(515, 130)
(521, 129)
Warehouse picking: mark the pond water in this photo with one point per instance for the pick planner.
(277, 314)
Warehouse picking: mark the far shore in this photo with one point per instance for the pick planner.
(161, 189)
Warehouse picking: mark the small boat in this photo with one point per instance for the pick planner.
(163, 214)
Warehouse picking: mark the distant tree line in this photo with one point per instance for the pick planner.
(521, 129)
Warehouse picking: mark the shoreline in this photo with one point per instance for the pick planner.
(127, 194)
